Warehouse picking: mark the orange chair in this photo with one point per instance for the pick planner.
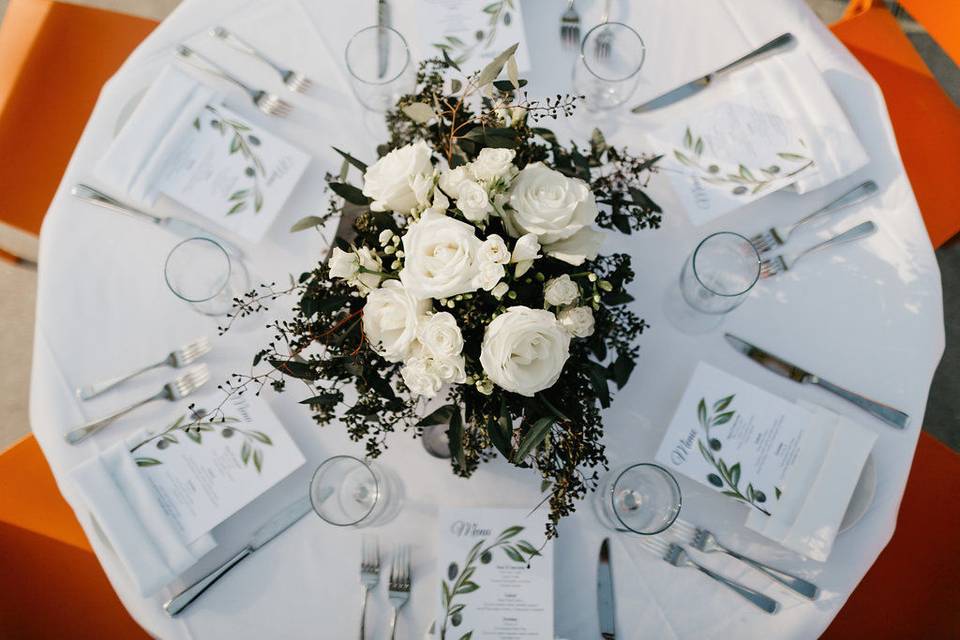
(926, 122)
(54, 58)
(52, 584)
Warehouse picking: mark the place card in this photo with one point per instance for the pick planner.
(472, 33)
(497, 581)
(204, 475)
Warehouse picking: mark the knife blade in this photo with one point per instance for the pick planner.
(776, 45)
(383, 43)
(274, 527)
(890, 415)
(606, 608)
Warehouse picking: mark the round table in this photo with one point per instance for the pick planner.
(870, 317)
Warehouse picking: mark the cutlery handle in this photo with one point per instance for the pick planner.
(93, 390)
(856, 195)
(858, 232)
(363, 610)
(83, 432)
(780, 42)
(766, 603)
(187, 55)
(242, 46)
(182, 600)
(94, 196)
(801, 586)
(893, 417)
(393, 623)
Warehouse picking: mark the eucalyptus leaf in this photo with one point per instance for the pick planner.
(307, 222)
(349, 158)
(512, 72)
(419, 112)
(493, 69)
(538, 432)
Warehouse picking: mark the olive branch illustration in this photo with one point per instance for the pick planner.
(243, 142)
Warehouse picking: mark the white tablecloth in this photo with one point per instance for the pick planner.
(870, 317)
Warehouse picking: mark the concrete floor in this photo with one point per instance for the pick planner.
(18, 285)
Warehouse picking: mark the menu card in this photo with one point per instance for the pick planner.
(738, 439)
(203, 474)
(472, 33)
(497, 581)
(233, 172)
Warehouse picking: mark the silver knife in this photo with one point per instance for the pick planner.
(182, 228)
(277, 525)
(605, 604)
(776, 45)
(891, 416)
(383, 44)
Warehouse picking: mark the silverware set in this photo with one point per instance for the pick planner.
(187, 354)
(268, 103)
(398, 585)
(779, 264)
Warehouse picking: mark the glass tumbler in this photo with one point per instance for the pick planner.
(380, 68)
(201, 272)
(608, 69)
(349, 492)
(642, 498)
(720, 273)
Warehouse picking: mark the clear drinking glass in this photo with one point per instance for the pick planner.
(378, 61)
(201, 272)
(642, 498)
(608, 69)
(719, 273)
(349, 492)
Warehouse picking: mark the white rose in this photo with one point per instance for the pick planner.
(489, 275)
(346, 265)
(391, 318)
(493, 163)
(422, 186)
(560, 291)
(583, 245)
(389, 181)
(549, 204)
(440, 336)
(577, 320)
(524, 350)
(473, 202)
(494, 249)
(452, 179)
(440, 256)
(343, 264)
(421, 376)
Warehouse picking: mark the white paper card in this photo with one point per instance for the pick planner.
(232, 172)
(487, 588)
(202, 479)
(472, 33)
(736, 438)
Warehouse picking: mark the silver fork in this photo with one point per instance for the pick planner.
(180, 388)
(570, 26)
(779, 264)
(267, 102)
(294, 81)
(604, 42)
(399, 591)
(678, 557)
(777, 236)
(369, 574)
(708, 543)
(187, 354)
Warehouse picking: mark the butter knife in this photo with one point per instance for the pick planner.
(277, 525)
(606, 608)
(182, 228)
(893, 417)
(383, 43)
(776, 45)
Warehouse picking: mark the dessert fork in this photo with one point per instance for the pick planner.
(369, 574)
(777, 236)
(180, 388)
(294, 81)
(777, 265)
(570, 26)
(187, 354)
(604, 42)
(267, 102)
(399, 591)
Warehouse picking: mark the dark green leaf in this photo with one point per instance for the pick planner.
(258, 459)
(261, 436)
(735, 474)
(622, 222)
(643, 200)
(615, 298)
(455, 436)
(509, 532)
(349, 158)
(349, 193)
(723, 418)
(621, 369)
(506, 85)
(150, 462)
(528, 548)
(722, 403)
(439, 416)
(237, 208)
(538, 432)
(513, 554)
(295, 369)
(702, 413)
(467, 587)
(245, 452)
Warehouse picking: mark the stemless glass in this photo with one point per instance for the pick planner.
(379, 81)
(720, 273)
(201, 272)
(348, 492)
(608, 69)
(642, 498)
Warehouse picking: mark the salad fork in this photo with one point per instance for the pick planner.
(604, 41)
(399, 591)
(294, 81)
(177, 389)
(268, 103)
(777, 236)
(570, 26)
(369, 574)
(779, 264)
(187, 354)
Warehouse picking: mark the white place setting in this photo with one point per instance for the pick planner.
(515, 319)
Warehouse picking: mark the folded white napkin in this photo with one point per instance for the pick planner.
(816, 497)
(126, 509)
(140, 151)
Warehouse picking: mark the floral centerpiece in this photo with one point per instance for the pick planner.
(472, 278)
